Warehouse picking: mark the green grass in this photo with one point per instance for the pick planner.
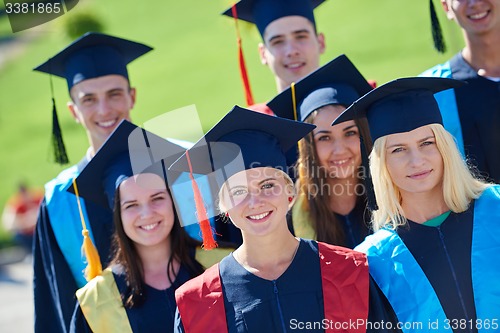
(194, 62)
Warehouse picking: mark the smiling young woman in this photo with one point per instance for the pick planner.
(152, 253)
(331, 203)
(433, 216)
(273, 280)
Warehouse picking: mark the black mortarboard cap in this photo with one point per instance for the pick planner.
(259, 140)
(91, 56)
(400, 106)
(263, 12)
(130, 150)
(243, 139)
(337, 82)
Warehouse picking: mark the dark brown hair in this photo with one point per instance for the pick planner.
(312, 176)
(126, 255)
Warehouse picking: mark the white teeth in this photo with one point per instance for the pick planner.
(340, 162)
(149, 226)
(107, 123)
(294, 65)
(478, 16)
(259, 216)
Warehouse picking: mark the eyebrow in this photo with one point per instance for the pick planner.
(295, 32)
(245, 186)
(327, 131)
(421, 140)
(151, 196)
(265, 180)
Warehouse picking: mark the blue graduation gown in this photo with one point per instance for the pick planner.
(472, 114)
(443, 275)
(56, 278)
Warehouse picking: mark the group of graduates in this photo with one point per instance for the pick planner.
(335, 207)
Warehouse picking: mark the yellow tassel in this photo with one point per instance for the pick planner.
(94, 266)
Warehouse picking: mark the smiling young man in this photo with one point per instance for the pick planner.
(95, 67)
(291, 46)
(471, 113)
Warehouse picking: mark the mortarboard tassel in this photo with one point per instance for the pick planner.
(437, 33)
(60, 154)
(241, 61)
(94, 266)
(209, 242)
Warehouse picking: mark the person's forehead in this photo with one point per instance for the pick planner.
(287, 25)
(251, 176)
(411, 136)
(100, 84)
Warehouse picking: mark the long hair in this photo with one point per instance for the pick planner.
(125, 255)
(460, 185)
(313, 186)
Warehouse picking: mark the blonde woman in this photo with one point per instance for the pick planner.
(274, 282)
(436, 222)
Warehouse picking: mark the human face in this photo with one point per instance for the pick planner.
(146, 210)
(476, 17)
(100, 104)
(291, 49)
(257, 200)
(414, 161)
(337, 147)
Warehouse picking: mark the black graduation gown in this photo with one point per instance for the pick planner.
(293, 302)
(155, 315)
(444, 254)
(53, 283)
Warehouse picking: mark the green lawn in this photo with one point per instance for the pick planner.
(194, 62)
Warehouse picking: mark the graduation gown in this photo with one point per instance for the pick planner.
(355, 225)
(472, 114)
(443, 277)
(57, 260)
(155, 315)
(244, 302)
(100, 305)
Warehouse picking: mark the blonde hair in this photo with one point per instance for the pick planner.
(290, 190)
(460, 186)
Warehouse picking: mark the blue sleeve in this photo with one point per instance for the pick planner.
(178, 327)
(53, 284)
(79, 322)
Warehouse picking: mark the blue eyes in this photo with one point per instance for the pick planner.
(423, 144)
(244, 191)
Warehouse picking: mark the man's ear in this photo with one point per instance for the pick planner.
(448, 11)
(72, 109)
(322, 43)
(262, 54)
(133, 93)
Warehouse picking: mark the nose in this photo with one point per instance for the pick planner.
(338, 147)
(254, 200)
(146, 212)
(291, 49)
(416, 158)
(103, 107)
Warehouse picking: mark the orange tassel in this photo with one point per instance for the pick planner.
(241, 61)
(94, 266)
(209, 242)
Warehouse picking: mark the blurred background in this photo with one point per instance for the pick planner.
(194, 62)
